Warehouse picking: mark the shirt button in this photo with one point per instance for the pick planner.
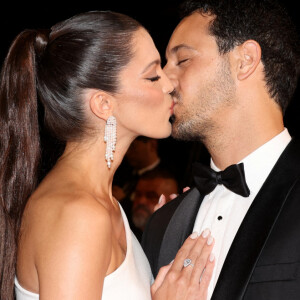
(220, 218)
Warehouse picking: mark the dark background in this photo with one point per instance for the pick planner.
(159, 17)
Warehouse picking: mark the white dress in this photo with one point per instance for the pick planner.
(131, 281)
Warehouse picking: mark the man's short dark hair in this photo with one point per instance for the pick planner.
(266, 22)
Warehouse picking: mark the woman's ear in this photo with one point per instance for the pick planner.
(249, 56)
(101, 104)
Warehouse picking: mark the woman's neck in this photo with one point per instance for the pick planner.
(86, 160)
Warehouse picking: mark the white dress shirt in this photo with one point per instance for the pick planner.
(223, 211)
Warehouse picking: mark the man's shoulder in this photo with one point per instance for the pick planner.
(163, 215)
(293, 146)
(160, 219)
(156, 228)
(290, 158)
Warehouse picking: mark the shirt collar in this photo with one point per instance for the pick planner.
(260, 162)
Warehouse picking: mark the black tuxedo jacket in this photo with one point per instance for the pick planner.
(263, 262)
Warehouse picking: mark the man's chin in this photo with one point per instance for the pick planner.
(183, 134)
(178, 134)
(180, 130)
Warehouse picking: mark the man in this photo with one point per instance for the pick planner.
(150, 187)
(235, 65)
(141, 157)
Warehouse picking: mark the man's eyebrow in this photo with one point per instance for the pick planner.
(175, 49)
(155, 62)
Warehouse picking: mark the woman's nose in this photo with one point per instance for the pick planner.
(171, 77)
(167, 84)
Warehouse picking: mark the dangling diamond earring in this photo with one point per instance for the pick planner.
(110, 138)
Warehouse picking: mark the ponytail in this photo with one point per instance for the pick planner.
(87, 51)
(19, 146)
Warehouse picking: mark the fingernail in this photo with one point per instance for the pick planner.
(161, 198)
(210, 240)
(186, 189)
(172, 196)
(171, 262)
(194, 235)
(211, 257)
(205, 233)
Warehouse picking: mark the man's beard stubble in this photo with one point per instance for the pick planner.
(195, 122)
(186, 128)
(182, 128)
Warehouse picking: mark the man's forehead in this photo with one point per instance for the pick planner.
(189, 31)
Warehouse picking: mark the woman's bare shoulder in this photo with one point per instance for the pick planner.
(61, 215)
(76, 240)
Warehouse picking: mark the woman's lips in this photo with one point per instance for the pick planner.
(172, 107)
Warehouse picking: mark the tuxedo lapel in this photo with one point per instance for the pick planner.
(179, 227)
(257, 226)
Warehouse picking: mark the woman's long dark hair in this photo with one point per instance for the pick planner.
(50, 69)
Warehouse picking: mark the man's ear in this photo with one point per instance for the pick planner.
(101, 104)
(249, 56)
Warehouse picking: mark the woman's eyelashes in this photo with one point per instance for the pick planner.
(155, 78)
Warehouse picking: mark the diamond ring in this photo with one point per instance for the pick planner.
(187, 262)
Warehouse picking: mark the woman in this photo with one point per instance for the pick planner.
(98, 78)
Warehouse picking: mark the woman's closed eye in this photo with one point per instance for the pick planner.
(155, 78)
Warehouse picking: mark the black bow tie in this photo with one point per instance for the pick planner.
(233, 177)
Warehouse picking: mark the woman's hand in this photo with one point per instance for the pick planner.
(178, 282)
